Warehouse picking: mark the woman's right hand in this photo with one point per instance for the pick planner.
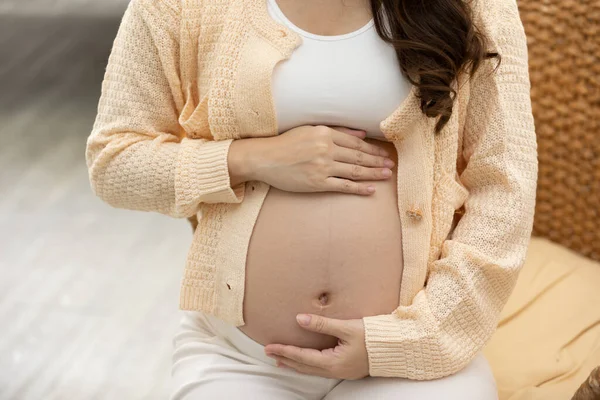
(319, 159)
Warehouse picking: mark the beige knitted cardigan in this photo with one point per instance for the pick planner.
(187, 77)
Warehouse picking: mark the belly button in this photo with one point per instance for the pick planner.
(323, 300)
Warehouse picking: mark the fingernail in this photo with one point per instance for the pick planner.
(386, 172)
(389, 163)
(303, 319)
(371, 189)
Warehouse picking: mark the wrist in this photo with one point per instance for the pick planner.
(241, 162)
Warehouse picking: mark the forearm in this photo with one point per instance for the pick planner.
(161, 175)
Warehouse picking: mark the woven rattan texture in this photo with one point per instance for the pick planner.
(564, 61)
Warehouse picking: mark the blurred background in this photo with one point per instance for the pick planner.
(70, 329)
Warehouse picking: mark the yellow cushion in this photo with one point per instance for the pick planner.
(548, 339)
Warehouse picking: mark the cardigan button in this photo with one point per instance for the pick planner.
(396, 137)
(415, 214)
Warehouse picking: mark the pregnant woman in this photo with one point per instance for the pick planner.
(362, 178)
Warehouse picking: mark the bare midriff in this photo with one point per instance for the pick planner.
(334, 254)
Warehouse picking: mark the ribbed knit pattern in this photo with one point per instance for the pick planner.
(178, 90)
(138, 155)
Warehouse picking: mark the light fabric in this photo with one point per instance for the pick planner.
(186, 77)
(352, 80)
(213, 359)
(548, 339)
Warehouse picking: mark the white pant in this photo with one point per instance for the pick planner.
(214, 360)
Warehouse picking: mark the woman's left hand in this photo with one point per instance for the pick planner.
(348, 360)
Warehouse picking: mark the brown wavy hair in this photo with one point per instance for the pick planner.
(435, 41)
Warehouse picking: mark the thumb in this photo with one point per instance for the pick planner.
(327, 326)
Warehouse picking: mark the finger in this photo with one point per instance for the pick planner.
(328, 326)
(311, 357)
(333, 184)
(358, 172)
(346, 155)
(354, 132)
(356, 143)
(302, 368)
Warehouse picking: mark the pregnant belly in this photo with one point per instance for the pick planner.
(334, 254)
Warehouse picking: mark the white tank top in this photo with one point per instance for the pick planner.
(352, 80)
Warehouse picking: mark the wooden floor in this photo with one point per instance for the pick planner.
(88, 294)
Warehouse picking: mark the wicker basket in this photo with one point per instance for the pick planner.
(564, 63)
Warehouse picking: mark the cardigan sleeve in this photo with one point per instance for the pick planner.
(450, 320)
(137, 154)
